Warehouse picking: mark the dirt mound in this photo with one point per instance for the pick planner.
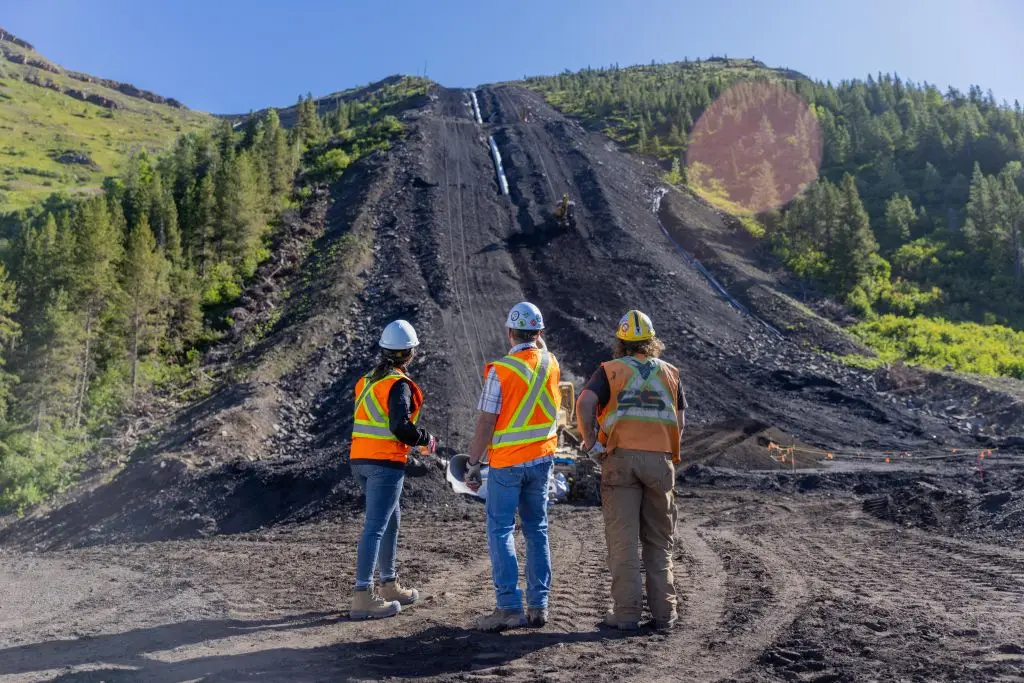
(993, 517)
(168, 500)
(745, 445)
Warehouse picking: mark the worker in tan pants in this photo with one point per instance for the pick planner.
(639, 405)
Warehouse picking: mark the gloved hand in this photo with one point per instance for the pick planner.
(473, 478)
(597, 453)
(431, 445)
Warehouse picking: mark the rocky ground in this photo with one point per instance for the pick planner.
(224, 548)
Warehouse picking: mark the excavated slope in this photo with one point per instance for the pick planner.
(452, 254)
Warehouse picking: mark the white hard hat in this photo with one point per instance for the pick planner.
(398, 336)
(525, 316)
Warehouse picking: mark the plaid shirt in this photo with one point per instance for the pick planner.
(490, 399)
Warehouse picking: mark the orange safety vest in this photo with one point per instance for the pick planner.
(641, 413)
(371, 432)
(527, 427)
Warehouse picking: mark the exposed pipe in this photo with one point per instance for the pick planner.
(496, 155)
(476, 107)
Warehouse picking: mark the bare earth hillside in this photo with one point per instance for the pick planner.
(225, 550)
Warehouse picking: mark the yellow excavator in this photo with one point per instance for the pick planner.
(565, 213)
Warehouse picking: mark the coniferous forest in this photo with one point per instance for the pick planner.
(108, 301)
(918, 209)
(913, 223)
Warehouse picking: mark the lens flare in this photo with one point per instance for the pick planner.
(757, 146)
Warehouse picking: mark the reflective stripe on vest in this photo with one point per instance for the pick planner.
(642, 399)
(518, 432)
(376, 427)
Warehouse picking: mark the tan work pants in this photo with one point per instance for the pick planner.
(638, 503)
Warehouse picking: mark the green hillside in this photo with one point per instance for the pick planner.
(62, 130)
(919, 206)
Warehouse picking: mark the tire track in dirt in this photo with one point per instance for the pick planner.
(477, 349)
(580, 575)
(464, 389)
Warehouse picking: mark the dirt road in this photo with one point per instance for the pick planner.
(772, 587)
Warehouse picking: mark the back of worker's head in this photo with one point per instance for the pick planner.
(397, 344)
(525, 323)
(635, 336)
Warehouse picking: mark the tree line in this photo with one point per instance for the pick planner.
(106, 298)
(918, 206)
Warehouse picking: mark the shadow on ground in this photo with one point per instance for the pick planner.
(436, 651)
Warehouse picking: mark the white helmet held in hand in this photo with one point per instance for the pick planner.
(525, 316)
(398, 336)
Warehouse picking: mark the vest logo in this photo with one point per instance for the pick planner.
(645, 399)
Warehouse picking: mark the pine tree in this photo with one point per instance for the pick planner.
(138, 189)
(10, 330)
(900, 219)
(145, 286)
(932, 186)
(163, 214)
(339, 121)
(203, 226)
(246, 224)
(764, 193)
(224, 188)
(1011, 208)
(49, 377)
(97, 253)
(854, 243)
(308, 129)
(278, 156)
(186, 314)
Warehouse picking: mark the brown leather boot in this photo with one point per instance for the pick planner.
(613, 621)
(393, 591)
(368, 605)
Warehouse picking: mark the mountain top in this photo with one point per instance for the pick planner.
(66, 130)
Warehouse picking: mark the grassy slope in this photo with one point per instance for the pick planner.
(37, 123)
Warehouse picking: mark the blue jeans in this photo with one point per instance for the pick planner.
(524, 489)
(379, 542)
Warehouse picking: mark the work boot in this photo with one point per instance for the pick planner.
(536, 616)
(665, 624)
(368, 605)
(613, 621)
(501, 619)
(393, 591)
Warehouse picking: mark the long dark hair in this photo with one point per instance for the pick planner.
(390, 360)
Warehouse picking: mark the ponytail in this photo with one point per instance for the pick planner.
(389, 360)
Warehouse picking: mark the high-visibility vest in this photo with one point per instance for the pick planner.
(527, 427)
(371, 431)
(641, 412)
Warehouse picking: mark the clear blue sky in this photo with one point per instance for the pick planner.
(229, 56)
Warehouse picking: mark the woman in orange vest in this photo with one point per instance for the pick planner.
(640, 406)
(388, 407)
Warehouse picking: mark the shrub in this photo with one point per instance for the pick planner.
(330, 165)
(220, 286)
(36, 465)
(937, 343)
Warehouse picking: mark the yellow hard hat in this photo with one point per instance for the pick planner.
(635, 326)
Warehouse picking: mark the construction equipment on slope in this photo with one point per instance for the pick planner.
(565, 213)
(579, 471)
